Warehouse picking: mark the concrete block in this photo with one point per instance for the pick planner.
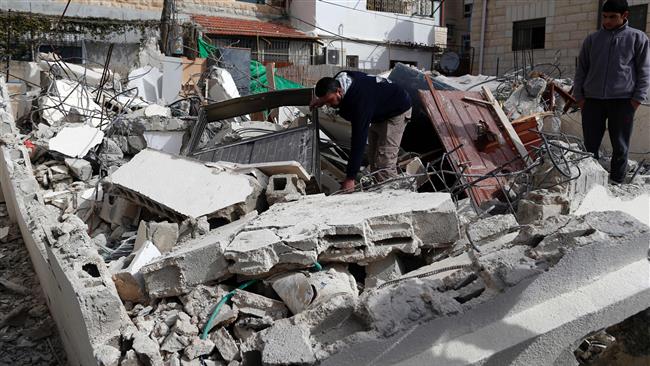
(174, 342)
(194, 262)
(108, 356)
(284, 188)
(119, 211)
(288, 344)
(383, 270)
(257, 305)
(541, 205)
(80, 169)
(191, 189)
(129, 281)
(76, 141)
(164, 235)
(198, 347)
(358, 228)
(300, 290)
(490, 227)
(225, 344)
(147, 349)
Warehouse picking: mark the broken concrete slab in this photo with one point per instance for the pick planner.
(76, 141)
(600, 198)
(194, 262)
(490, 227)
(302, 290)
(70, 101)
(362, 227)
(530, 286)
(191, 189)
(257, 305)
(284, 188)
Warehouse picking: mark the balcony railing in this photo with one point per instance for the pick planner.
(408, 7)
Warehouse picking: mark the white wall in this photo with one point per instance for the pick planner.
(379, 56)
(334, 17)
(337, 17)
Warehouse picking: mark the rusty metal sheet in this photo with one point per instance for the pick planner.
(456, 120)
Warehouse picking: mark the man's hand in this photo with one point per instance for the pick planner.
(315, 103)
(635, 103)
(581, 103)
(348, 185)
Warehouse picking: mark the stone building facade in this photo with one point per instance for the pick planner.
(519, 32)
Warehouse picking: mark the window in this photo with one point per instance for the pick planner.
(352, 61)
(528, 34)
(467, 10)
(638, 17)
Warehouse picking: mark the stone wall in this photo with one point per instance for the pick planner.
(568, 22)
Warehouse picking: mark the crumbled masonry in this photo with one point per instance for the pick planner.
(148, 256)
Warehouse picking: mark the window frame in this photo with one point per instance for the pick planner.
(524, 32)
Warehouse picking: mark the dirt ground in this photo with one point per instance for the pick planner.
(28, 335)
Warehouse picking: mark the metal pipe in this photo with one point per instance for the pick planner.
(482, 49)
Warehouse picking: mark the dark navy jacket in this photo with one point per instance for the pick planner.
(366, 101)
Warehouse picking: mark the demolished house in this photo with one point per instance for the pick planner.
(167, 230)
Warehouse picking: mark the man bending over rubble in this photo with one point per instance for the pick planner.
(612, 80)
(378, 111)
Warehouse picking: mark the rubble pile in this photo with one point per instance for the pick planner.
(219, 262)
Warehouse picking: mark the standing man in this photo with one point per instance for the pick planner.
(362, 99)
(612, 80)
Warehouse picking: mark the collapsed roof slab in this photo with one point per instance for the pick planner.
(594, 273)
(197, 261)
(181, 187)
(358, 228)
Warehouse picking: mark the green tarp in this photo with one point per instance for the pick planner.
(259, 83)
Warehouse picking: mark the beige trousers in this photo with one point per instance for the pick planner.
(384, 139)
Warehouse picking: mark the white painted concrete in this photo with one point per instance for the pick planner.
(76, 141)
(600, 199)
(331, 19)
(185, 186)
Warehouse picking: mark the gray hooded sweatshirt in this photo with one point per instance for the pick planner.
(614, 64)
